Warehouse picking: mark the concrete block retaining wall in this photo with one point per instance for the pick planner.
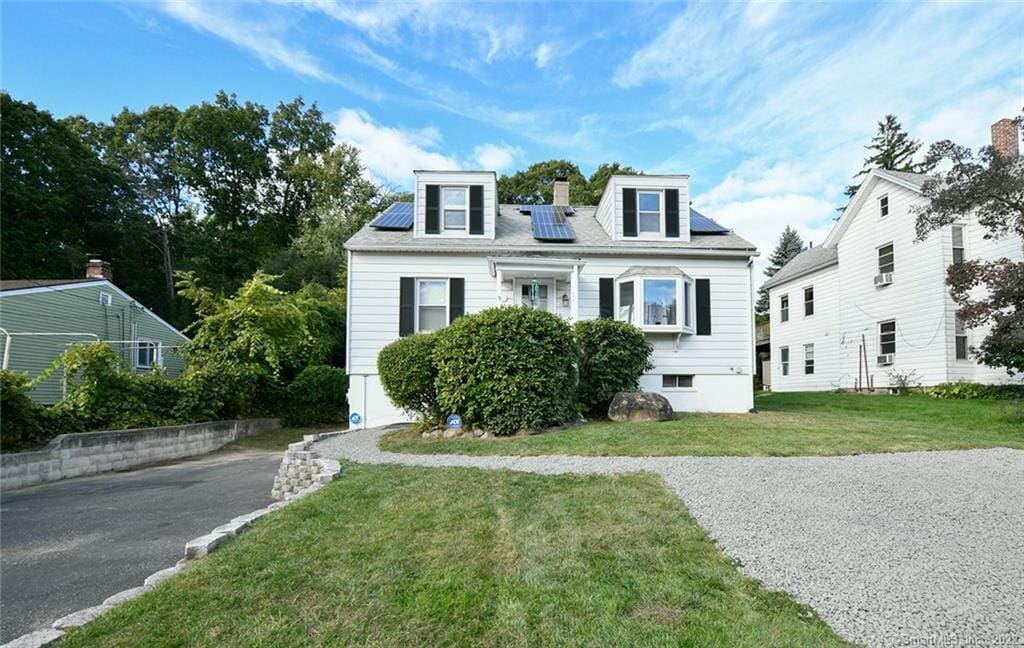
(88, 453)
(301, 468)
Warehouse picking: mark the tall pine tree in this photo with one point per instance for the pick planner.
(892, 149)
(790, 244)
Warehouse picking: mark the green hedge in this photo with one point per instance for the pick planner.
(408, 374)
(508, 369)
(963, 390)
(317, 396)
(613, 355)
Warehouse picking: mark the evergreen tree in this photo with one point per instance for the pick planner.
(790, 244)
(892, 149)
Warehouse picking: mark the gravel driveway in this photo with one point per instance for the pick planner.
(919, 548)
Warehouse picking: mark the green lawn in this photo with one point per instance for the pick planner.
(280, 438)
(786, 425)
(400, 556)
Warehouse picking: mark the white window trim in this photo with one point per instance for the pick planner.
(416, 302)
(888, 207)
(158, 353)
(108, 297)
(440, 199)
(878, 258)
(660, 234)
(952, 244)
(693, 381)
(784, 318)
(803, 292)
(879, 333)
(812, 359)
(785, 364)
(967, 341)
(638, 301)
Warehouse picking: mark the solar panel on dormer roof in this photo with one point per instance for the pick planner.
(549, 223)
(398, 216)
(701, 224)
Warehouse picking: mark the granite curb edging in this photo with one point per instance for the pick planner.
(195, 549)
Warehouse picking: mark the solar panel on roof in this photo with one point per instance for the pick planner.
(398, 216)
(701, 224)
(549, 223)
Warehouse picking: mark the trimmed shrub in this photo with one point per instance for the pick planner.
(507, 369)
(613, 356)
(408, 373)
(317, 396)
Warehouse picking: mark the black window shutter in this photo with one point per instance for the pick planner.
(703, 307)
(606, 300)
(407, 306)
(629, 212)
(672, 213)
(433, 209)
(476, 209)
(456, 298)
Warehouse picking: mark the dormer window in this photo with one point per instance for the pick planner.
(454, 205)
(648, 209)
(656, 299)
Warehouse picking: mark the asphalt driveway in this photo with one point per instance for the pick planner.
(71, 544)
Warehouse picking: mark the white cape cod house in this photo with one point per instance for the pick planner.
(642, 255)
(873, 290)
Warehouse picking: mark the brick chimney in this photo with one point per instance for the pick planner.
(1005, 138)
(98, 269)
(561, 191)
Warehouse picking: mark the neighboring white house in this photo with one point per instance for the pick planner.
(872, 283)
(641, 255)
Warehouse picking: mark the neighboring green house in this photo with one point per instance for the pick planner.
(40, 318)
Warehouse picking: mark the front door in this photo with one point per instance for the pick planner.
(540, 296)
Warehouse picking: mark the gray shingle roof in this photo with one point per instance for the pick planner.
(18, 284)
(916, 179)
(806, 262)
(514, 234)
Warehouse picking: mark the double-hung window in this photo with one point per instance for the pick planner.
(960, 335)
(958, 244)
(147, 354)
(431, 304)
(648, 210)
(454, 207)
(808, 359)
(883, 206)
(887, 337)
(808, 301)
(784, 308)
(784, 360)
(886, 259)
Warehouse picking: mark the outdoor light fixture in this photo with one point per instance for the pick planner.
(565, 300)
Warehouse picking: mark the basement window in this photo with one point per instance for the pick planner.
(677, 381)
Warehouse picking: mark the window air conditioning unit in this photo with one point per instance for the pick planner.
(886, 359)
(883, 279)
(106, 300)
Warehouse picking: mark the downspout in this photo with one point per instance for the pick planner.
(753, 322)
(7, 346)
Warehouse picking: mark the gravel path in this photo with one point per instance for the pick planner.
(917, 548)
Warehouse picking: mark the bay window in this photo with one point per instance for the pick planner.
(656, 299)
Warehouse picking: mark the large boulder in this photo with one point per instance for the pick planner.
(639, 406)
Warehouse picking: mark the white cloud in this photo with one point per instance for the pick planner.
(391, 154)
(495, 157)
(761, 12)
(256, 38)
(968, 121)
(759, 200)
(542, 56)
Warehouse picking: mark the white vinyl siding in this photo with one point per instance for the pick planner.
(609, 209)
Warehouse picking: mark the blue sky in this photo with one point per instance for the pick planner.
(765, 105)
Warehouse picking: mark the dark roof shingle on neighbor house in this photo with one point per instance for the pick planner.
(19, 284)
(806, 262)
(513, 232)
